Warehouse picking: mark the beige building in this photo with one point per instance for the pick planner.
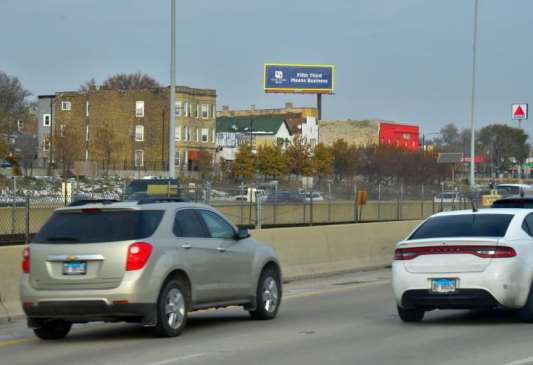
(288, 111)
(129, 129)
(356, 132)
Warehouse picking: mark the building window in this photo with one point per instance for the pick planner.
(139, 109)
(178, 133)
(197, 111)
(179, 108)
(190, 109)
(205, 135)
(62, 130)
(87, 108)
(177, 158)
(47, 120)
(66, 106)
(205, 111)
(213, 135)
(20, 125)
(46, 145)
(186, 107)
(139, 158)
(87, 134)
(213, 111)
(197, 134)
(139, 133)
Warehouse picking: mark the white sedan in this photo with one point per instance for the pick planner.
(465, 260)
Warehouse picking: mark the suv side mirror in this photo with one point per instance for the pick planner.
(243, 233)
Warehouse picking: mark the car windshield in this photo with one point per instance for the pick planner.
(464, 225)
(508, 190)
(99, 226)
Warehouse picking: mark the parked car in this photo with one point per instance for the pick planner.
(285, 197)
(314, 196)
(448, 197)
(4, 164)
(149, 262)
(464, 260)
(513, 189)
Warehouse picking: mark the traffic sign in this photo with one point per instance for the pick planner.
(519, 111)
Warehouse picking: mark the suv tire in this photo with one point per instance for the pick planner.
(411, 315)
(172, 309)
(268, 295)
(53, 330)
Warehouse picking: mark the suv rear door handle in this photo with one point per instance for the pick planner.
(186, 246)
(221, 249)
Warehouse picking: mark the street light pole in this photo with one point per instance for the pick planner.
(473, 98)
(172, 121)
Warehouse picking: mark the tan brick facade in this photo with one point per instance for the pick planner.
(110, 126)
(289, 109)
(359, 133)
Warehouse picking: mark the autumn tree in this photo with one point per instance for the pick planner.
(108, 144)
(322, 161)
(298, 156)
(243, 168)
(124, 81)
(504, 145)
(205, 165)
(67, 146)
(344, 161)
(13, 103)
(271, 161)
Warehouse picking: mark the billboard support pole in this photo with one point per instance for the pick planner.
(319, 105)
(172, 102)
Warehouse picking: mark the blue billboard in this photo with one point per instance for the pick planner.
(290, 78)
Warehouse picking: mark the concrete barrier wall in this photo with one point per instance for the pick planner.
(313, 251)
(303, 251)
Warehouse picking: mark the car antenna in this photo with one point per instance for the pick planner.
(474, 208)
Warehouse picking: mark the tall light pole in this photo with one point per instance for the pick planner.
(473, 99)
(172, 122)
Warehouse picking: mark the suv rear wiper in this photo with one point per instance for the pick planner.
(58, 238)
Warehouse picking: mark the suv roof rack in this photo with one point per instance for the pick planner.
(81, 202)
(153, 200)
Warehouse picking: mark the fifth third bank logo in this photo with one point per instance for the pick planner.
(278, 75)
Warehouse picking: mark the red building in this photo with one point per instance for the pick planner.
(399, 135)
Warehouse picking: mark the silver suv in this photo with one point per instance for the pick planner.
(149, 262)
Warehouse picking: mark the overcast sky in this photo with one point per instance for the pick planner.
(400, 60)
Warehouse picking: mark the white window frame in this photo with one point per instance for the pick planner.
(139, 162)
(198, 111)
(197, 134)
(20, 125)
(62, 130)
(139, 133)
(87, 134)
(213, 135)
(178, 158)
(205, 111)
(139, 109)
(66, 106)
(45, 116)
(46, 145)
(87, 108)
(213, 111)
(186, 108)
(190, 110)
(205, 133)
(179, 108)
(178, 133)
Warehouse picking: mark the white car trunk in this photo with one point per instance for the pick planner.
(443, 261)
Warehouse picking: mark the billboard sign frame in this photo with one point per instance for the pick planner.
(523, 107)
(298, 78)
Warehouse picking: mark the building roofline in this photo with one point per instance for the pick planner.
(46, 96)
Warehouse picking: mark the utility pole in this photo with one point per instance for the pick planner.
(172, 122)
(473, 100)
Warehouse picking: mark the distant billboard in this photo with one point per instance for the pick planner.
(290, 78)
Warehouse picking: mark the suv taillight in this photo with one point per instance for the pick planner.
(138, 255)
(26, 260)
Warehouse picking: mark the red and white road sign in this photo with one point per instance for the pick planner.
(519, 112)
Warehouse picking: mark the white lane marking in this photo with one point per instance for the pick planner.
(178, 359)
(527, 361)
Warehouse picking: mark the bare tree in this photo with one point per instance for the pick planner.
(67, 146)
(13, 104)
(108, 144)
(124, 81)
(89, 85)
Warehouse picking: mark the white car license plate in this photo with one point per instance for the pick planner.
(443, 285)
(74, 268)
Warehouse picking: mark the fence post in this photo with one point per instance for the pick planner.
(355, 203)
(258, 210)
(241, 194)
(304, 215)
(422, 204)
(13, 206)
(311, 209)
(27, 230)
(398, 208)
(329, 202)
(379, 202)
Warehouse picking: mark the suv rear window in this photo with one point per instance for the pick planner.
(464, 225)
(99, 226)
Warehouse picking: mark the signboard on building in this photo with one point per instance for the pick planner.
(519, 111)
(291, 78)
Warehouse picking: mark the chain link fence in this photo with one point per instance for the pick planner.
(25, 207)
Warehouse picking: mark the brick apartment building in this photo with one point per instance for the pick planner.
(126, 129)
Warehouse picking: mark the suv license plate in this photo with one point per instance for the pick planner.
(443, 285)
(74, 268)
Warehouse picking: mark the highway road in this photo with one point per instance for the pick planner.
(345, 319)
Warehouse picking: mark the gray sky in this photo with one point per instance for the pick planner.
(401, 60)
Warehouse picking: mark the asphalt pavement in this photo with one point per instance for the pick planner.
(345, 319)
